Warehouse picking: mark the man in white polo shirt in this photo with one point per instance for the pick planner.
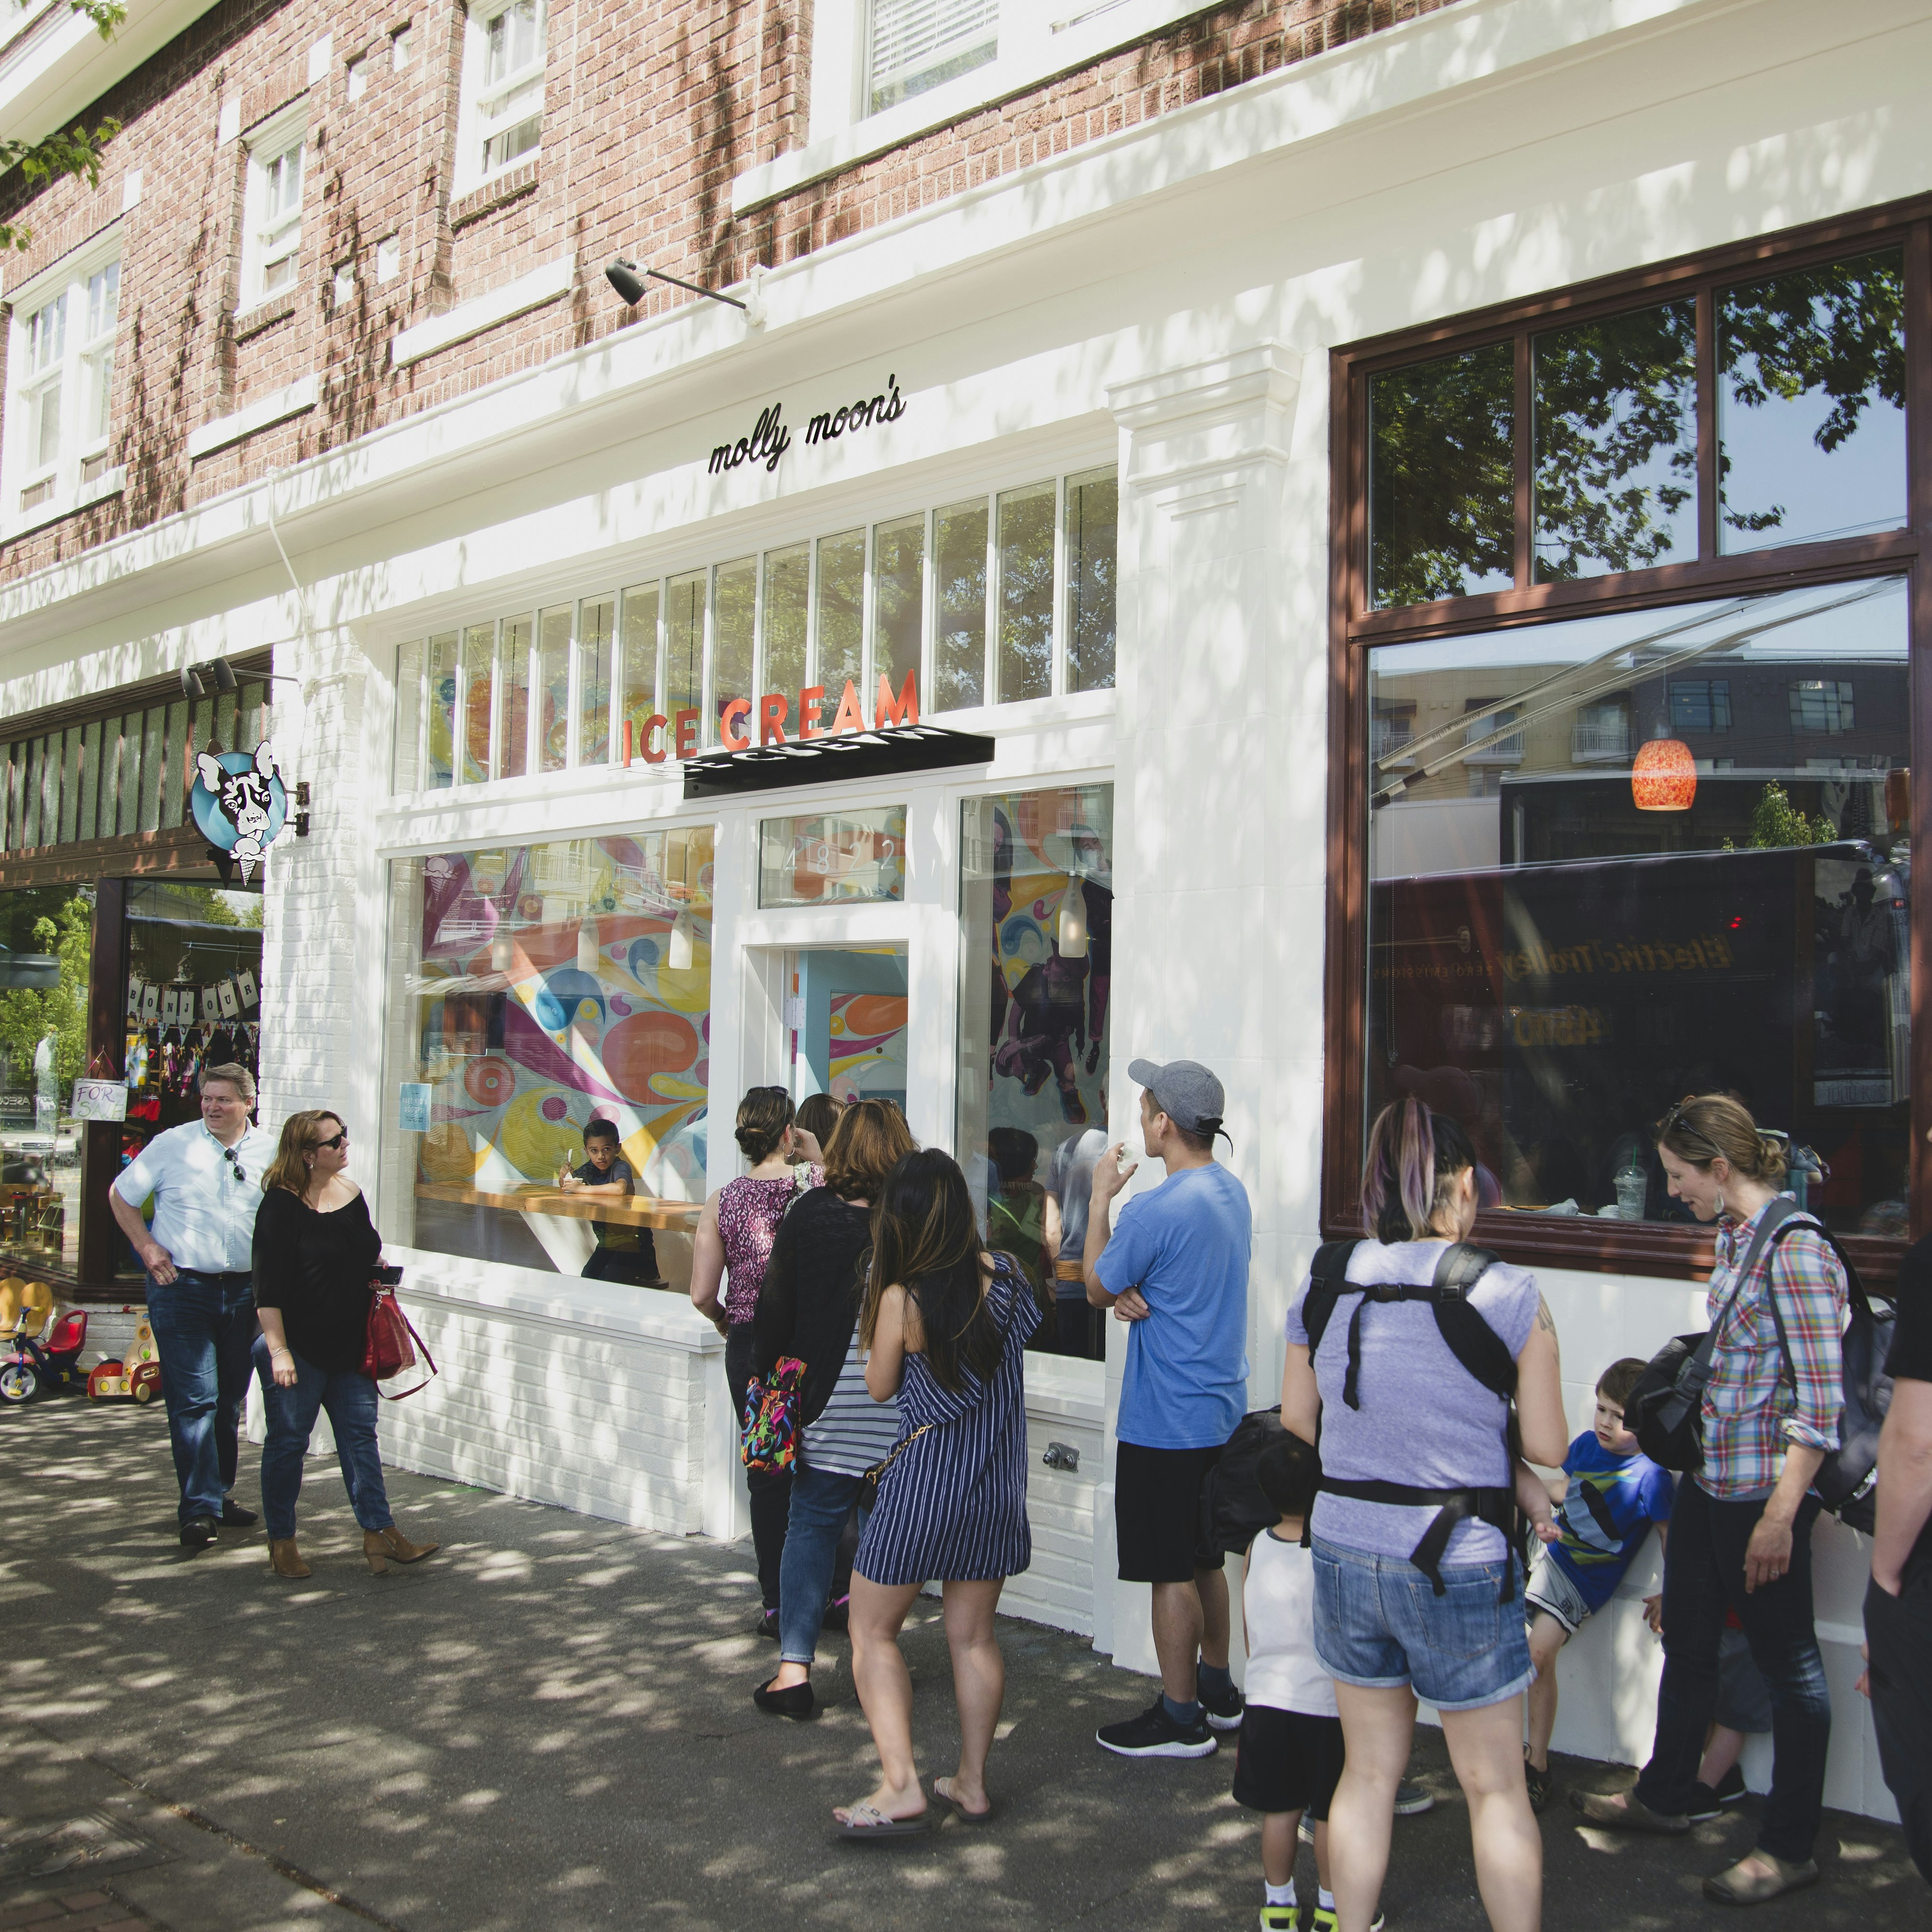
(206, 1179)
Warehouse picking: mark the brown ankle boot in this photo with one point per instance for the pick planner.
(284, 1559)
(378, 1543)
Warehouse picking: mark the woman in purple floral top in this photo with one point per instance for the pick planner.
(733, 1243)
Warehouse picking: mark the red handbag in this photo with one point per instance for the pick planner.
(392, 1345)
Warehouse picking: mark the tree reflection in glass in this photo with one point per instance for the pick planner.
(1616, 442)
(1441, 477)
(1811, 403)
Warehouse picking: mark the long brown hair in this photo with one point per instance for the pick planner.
(300, 1132)
(925, 1239)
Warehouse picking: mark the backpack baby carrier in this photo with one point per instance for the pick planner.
(1474, 1344)
(1234, 1509)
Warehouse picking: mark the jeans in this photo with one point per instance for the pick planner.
(636, 1267)
(1077, 1329)
(350, 1397)
(203, 1324)
(821, 1502)
(1899, 1631)
(771, 1488)
(1703, 1576)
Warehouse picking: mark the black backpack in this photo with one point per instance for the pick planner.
(1665, 1409)
(1234, 1511)
(1474, 1344)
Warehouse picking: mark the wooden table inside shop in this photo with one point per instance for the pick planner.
(635, 1211)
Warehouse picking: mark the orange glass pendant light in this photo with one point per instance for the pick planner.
(1664, 777)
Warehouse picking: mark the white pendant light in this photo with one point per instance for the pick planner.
(502, 952)
(683, 943)
(588, 951)
(1070, 930)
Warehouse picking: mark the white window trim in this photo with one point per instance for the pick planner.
(288, 130)
(475, 124)
(68, 276)
(1038, 38)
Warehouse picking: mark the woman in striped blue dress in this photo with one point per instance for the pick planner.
(946, 1325)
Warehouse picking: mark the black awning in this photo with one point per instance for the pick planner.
(835, 759)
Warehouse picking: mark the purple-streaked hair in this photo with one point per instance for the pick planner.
(1411, 1150)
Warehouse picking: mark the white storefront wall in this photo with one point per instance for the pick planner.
(1167, 297)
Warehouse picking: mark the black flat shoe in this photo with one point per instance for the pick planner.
(198, 1532)
(234, 1516)
(768, 1624)
(795, 1701)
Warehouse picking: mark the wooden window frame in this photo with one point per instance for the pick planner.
(1586, 1242)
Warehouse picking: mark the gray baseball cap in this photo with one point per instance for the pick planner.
(1185, 1091)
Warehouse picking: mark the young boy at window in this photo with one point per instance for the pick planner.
(1608, 1496)
(1289, 1755)
(623, 1253)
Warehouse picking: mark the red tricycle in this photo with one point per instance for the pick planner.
(31, 1365)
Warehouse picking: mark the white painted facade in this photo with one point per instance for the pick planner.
(1165, 298)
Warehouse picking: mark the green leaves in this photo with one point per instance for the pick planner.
(77, 151)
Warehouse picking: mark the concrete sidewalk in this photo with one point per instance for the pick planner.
(549, 1725)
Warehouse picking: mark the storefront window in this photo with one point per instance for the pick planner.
(684, 650)
(640, 661)
(959, 646)
(1616, 861)
(596, 618)
(446, 708)
(541, 987)
(553, 688)
(833, 857)
(841, 611)
(733, 639)
(46, 947)
(788, 601)
(898, 584)
(1036, 919)
(1093, 546)
(513, 734)
(479, 665)
(1026, 593)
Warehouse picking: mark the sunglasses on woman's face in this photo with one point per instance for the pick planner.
(334, 1141)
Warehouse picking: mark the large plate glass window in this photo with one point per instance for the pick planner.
(1036, 919)
(828, 858)
(1616, 861)
(538, 988)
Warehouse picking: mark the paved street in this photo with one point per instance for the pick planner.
(549, 1726)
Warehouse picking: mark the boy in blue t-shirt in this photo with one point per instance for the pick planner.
(1607, 1498)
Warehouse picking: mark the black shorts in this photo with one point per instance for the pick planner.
(1287, 1761)
(1157, 1513)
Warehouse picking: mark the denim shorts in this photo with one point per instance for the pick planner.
(1379, 1625)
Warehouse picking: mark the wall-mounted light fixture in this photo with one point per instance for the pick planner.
(629, 278)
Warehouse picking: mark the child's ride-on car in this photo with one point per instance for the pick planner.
(137, 1379)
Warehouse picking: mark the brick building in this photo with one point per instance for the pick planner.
(1182, 414)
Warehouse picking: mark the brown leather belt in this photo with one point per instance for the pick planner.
(1066, 1271)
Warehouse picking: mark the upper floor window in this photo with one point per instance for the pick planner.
(271, 239)
(1563, 453)
(918, 44)
(59, 410)
(502, 113)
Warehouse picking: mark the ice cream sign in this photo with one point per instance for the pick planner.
(239, 805)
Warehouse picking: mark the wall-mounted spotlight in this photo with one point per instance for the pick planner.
(220, 676)
(629, 278)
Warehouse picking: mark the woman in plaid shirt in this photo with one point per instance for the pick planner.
(1741, 1532)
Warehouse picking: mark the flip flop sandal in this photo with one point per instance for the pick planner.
(868, 1821)
(1732, 1888)
(959, 1811)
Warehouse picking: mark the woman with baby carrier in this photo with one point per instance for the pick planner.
(1741, 1531)
(1406, 1349)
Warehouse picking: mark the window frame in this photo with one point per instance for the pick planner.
(66, 281)
(1355, 627)
(476, 123)
(268, 240)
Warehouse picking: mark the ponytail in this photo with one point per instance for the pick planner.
(1413, 1157)
(1703, 1127)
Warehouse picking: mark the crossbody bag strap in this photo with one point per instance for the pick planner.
(1780, 1210)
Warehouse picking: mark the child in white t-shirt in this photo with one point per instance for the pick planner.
(1290, 1752)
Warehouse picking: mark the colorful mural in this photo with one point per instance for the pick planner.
(867, 1051)
(561, 983)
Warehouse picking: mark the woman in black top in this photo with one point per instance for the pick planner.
(315, 1251)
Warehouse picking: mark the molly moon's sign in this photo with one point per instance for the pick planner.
(769, 437)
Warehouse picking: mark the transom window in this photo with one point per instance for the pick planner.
(60, 411)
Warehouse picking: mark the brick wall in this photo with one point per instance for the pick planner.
(650, 113)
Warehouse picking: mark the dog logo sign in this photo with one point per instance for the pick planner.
(239, 804)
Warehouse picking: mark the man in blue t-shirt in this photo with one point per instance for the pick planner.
(1609, 1496)
(1176, 1267)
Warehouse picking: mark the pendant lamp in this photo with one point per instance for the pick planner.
(683, 943)
(588, 951)
(502, 952)
(1070, 930)
(1664, 777)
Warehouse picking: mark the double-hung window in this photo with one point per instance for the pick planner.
(503, 76)
(60, 410)
(271, 246)
(914, 45)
